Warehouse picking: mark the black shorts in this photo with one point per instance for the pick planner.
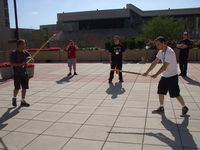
(21, 81)
(169, 84)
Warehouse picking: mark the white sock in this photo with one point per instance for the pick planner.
(183, 105)
(161, 105)
(23, 100)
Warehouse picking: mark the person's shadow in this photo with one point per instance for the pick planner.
(169, 125)
(115, 89)
(6, 116)
(191, 81)
(64, 79)
(4, 80)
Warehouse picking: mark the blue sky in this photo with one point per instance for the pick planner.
(33, 13)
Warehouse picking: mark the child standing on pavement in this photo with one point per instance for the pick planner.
(71, 50)
(116, 58)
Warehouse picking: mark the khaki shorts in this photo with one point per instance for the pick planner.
(71, 62)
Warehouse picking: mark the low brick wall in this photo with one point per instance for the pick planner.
(99, 55)
(47, 56)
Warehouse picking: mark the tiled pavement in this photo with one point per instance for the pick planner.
(86, 113)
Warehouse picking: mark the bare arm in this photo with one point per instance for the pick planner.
(17, 64)
(110, 55)
(182, 46)
(153, 64)
(66, 48)
(76, 47)
(162, 68)
(123, 57)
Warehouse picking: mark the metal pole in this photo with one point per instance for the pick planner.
(16, 21)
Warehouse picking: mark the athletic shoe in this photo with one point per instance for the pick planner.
(75, 73)
(184, 110)
(24, 104)
(69, 74)
(158, 110)
(184, 75)
(121, 80)
(14, 102)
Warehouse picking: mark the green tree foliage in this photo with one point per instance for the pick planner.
(40, 34)
(168, 27)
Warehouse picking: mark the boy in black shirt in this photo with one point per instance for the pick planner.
(184, 53)
(18, 60)
(116, 57)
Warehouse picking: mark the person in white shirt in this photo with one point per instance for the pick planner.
(169, 75)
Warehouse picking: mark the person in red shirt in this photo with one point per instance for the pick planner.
(71, 50)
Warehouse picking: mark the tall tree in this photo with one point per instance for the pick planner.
(168, 27)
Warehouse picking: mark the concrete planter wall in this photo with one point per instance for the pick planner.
(102, 55)
(30, 71)
(47, 56)
(6, 72)
(90, 56)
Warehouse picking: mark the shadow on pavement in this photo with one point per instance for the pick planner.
(115, 90)
(7, 115)
(2, 81)
(191, 81)
(169, 125)
(3, 144)
(64, 79)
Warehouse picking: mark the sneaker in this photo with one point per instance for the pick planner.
(75, 73)
(24, 104)
(184, 110)
(14, 102)
(184, 75)
(121, 80)
(69, 74)
(158, 110)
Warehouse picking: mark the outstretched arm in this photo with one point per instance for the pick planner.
(110, 56)
(17, 64)
(66, 48)
(153, 64)
(76, 47)
(182, 46)
(163, 68)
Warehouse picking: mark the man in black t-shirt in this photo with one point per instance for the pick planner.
(116, 57)
(184, 46)
(18, 59)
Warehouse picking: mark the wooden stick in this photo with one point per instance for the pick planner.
(42, 47)
(128, 72)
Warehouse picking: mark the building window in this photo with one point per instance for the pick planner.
(5, 2)
(7, 23)
(104, 24)
(6, 13)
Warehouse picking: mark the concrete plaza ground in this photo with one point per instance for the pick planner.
(86, 113)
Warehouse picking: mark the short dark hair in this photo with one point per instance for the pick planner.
(161, 39)
(116, 37)
(20, 41)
